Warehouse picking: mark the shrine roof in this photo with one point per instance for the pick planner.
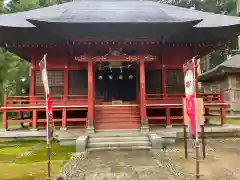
(230, 66)
(107, 11)
(115, 19)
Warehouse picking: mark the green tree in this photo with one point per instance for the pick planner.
(227, 7)
(14, 76)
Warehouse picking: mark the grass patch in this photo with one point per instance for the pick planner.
(28, 159)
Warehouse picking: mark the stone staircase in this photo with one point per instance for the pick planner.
(111, 141)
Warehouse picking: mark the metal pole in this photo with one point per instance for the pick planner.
(197, 160)
(48, 146)
(203, 142)
(197, 141)
(185, 141)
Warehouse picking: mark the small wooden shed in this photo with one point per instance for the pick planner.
(225, 77)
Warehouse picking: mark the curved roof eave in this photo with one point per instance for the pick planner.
(231, 65)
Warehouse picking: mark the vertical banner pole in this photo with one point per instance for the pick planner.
(48, 143)
(43, 68)
(196, 140)
(185, 141)
(203, 142)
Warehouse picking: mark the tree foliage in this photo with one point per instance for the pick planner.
(24, 5)
(14, 75)
(227, 7)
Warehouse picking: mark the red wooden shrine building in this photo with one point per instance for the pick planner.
(111, 64)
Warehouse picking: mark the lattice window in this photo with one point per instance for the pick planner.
(55, 80)
(153, 81)
(227, 96)
(78, 82)
(175, 81)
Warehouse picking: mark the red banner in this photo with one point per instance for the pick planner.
(49, 113)
(190, 93)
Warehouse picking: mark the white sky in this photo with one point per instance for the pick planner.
(6, 1)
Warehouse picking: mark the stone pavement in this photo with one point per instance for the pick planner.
(122, 165)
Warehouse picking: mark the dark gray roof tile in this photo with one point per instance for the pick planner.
(116, 11)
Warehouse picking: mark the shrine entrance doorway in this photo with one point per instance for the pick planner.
(116, 84)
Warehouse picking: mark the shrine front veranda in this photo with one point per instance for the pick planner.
(112, 65)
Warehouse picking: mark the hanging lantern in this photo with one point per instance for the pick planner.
(130, 76)
(110, 77)
(120, 77)
(100, 77)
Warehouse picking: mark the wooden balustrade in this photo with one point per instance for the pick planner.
(168, 107)
(168, 104)
(36, 104)
(40, 100)
(176, 96)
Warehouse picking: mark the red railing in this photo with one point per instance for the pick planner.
(169, 102)
(31, 105)
(213, 97)
(40, 100)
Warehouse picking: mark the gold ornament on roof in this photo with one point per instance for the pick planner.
(81, 58)
(150, 57)
(132, 58)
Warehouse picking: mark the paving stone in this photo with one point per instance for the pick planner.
(121, 165)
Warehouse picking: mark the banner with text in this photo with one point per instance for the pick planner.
(190, 93)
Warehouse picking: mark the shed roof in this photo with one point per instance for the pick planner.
(230, 66)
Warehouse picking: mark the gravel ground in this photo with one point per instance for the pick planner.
(122, 165)
(222, 163)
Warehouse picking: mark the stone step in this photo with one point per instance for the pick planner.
(117, 139)
(121, 148)
(67, 142)
(119, 144)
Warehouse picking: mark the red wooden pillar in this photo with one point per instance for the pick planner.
(64, 119)
(222, 109)
(90, 127)
(65, 99)
(168, 117)
(4, 115)
(144, 120)
(137, 85)
(32, 92)
(32, 82)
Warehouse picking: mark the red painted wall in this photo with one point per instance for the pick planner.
(171, 57)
